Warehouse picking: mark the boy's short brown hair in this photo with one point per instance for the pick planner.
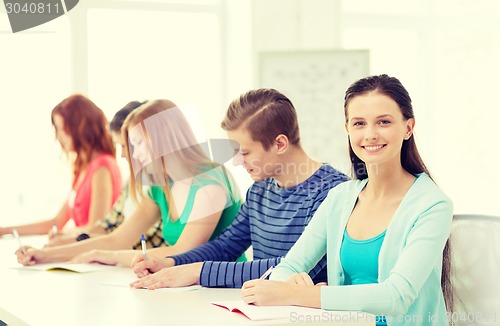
(265, 113)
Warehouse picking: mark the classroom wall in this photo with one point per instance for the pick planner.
(446, 54)
(444, 51)
(113, 51)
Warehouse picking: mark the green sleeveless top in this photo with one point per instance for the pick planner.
(173, 230)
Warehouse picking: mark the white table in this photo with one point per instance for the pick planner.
(66, 298)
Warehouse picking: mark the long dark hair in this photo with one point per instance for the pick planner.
(116, 123)
(391, 87)
(87, 126)
(410, 158)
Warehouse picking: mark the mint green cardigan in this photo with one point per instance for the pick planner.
(408, 291)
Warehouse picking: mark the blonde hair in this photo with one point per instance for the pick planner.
(174, 153)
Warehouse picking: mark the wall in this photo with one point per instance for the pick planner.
(444, 51)
(446, 54)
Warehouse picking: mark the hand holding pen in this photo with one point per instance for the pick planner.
(266, 273)
(23, 255)
(18, 238)
(144, 265)
(143, 246)
(53, 231)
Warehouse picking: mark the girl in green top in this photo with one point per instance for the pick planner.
(194, 196)
(176, 182)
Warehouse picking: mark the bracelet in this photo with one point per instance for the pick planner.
(83, 236)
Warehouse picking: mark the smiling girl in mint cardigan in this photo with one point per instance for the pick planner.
(384, 233)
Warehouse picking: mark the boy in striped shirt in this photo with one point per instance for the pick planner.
(289, 186)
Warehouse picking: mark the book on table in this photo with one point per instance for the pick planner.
(296, 313)
(254, 312)
(71, 267)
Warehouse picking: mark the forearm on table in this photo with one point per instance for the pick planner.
(69, 251)
(42, 227)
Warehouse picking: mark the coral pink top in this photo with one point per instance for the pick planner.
(79, 199)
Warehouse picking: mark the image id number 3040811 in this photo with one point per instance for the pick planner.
(32, 8)
(472, 318)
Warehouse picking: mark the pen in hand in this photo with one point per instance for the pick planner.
(54, 229)
(143, 245)
(16, 235)
(267, 273)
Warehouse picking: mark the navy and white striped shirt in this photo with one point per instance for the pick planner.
(271, 220)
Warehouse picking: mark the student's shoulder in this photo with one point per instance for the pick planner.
(328, 172)
(349, 185)
(267, 188)
(327, 178)
(155, 192)
(261, 186)
(425, 192)
(340, 193)
(215, 177)
(103, 159)
(323, 181)
(345, 189)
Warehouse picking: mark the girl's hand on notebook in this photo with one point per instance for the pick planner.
(144, 266)
(268, 293)
(28, 256)
(277, 293)
(177, 276)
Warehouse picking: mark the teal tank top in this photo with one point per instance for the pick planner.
(359, 259)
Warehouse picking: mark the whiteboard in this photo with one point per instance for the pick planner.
(315, 82)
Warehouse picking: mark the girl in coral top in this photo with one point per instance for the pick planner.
(81, 129)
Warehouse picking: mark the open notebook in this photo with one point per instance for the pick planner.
(266, 313)
(124, 280)
(295, 313)
(78, 268)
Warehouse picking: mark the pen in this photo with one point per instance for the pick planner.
(16, 235)
(54, 229)
(267, 273)
(143, 245)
